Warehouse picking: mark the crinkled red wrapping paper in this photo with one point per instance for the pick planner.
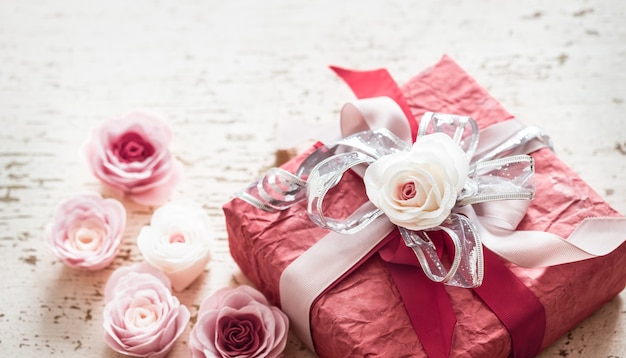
(363, 315)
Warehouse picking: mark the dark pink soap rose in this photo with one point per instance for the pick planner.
(131, 155)
(87, 231)
(238, 322)
(141, 317)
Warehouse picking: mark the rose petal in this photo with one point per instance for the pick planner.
(202, 340)
(159, 189)
(447, 152)
(183, 278)
(138, 268)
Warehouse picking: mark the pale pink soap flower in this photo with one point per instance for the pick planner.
(87, 230)
(131, 155)
(141, 316)
(178, 241)
(238, 322)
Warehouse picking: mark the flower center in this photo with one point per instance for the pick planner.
(240, 336)
(131, 147)
(87, 239)
(407, 191)
(177, 238)
(142, 316)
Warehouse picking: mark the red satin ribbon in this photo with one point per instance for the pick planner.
(516, 306)
(426, 302)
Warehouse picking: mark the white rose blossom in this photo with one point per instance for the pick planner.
(178, 241)
(418, 189)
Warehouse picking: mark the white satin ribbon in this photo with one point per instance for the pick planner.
(331, 257)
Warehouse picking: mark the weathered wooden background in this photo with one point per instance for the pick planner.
(223, 74)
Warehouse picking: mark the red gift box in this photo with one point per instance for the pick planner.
(364, 315)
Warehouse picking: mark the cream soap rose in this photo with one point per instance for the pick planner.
(177, 241)
(418, 189)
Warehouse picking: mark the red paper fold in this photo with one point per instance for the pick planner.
(363, 314)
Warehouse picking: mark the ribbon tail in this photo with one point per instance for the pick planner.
(376, 83)
(592, 238)
(427, 303)
(517, 307)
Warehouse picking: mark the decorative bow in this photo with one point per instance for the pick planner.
(490, 178)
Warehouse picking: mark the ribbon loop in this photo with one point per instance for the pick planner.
(466, 269)
(462, 129)
(275, 190)
(509, 178)
(324, 177)
(280, 189)
(510, 138)
(353, 152)
(470, 271)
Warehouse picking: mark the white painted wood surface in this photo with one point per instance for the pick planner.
(223, 73)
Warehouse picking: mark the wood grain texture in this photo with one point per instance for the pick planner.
(224, 74)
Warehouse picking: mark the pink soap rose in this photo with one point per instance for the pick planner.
(131, 155)
(87, 231)
(238, 322)
(141, 317)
